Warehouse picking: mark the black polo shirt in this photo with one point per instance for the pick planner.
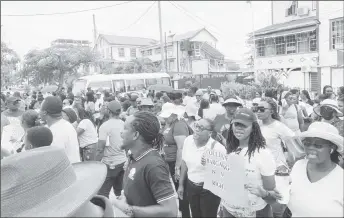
(147, 180)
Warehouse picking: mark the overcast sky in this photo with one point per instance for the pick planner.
(229, 21)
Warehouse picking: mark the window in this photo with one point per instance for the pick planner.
(106, 85)
(291, 44)
(280, 45)
(269, 46)
(133, 52)
(143, 53)
(292, 9)
(157, 51)
(196, 48)
(171, 65)
(164, 81)
(337, 33)
(149, 52)
(260, 48)
(119, 85)
(121, 52)
(169, 51)
(313, 41)
(302, 42)
(134, 85)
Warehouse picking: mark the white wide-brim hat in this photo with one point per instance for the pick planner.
(42, 183)
(324, 131)
(232, 101)
(330, 103)
(191, 109)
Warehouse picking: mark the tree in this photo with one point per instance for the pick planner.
(53, 64)
(139, 65)
(9, 60)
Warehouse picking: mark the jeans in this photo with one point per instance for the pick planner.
(278, 209)
(265, 212)
(183, 204)
(114, 179)
(203, 203)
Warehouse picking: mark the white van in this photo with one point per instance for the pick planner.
(120, 82)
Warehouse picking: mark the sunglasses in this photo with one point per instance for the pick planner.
(259, 109)
(240, 125)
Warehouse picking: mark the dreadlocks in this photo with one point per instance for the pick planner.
(147, 124)
(255, 142)
(274, 108)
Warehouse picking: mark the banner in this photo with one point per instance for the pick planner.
(225, 177)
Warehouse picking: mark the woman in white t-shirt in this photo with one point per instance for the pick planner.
(203, 203)
(274, 133)
(317, 182)
(292, 114)
(87, 135)
(245, 139)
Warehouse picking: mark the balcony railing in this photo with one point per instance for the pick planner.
(284, 45)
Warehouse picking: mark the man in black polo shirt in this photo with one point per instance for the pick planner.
(148, 189)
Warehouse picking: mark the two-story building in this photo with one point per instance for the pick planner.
(302, 44)
(182, 49)
(120, 49)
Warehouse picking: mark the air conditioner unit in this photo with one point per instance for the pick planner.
(302, 11)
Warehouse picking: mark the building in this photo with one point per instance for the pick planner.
(116, 49)
(182, 49)
(303, 44)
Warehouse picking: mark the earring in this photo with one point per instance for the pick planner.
(331, 151)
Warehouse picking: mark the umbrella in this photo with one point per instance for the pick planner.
(160, 88)
(50, 88)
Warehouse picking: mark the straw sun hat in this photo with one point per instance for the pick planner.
(324, 131)
(43, 183)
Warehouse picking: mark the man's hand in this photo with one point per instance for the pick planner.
(177, 173)
(180, 192)
(121, 203)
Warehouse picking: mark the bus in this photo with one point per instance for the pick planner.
(120, 82)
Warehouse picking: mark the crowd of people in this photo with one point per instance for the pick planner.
(62, 154)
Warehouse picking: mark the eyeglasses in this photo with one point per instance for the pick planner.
(259, 109)
(326, 109)
(200, 128)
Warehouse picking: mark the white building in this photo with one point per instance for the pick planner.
(120, 48)
(303, 43)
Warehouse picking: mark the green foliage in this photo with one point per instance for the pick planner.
(9, 59)
(54, 63)
(139, 65)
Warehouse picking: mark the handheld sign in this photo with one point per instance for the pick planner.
(225, 177)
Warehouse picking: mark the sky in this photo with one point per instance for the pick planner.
(228, 21)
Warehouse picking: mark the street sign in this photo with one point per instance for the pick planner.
(200, 67)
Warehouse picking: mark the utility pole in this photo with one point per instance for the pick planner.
(272, 12)
(163, 67)
(166, 63)
(94, 30)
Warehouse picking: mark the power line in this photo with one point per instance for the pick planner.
(183, 8)
(140, 17)
(63, 13)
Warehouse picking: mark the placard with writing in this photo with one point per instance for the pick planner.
(225, 177)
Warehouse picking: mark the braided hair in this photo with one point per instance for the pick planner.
(255, 142)
(274, 108)
(147, 124)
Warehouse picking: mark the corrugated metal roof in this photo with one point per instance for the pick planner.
(128, 40)
(212, 51)
(309, 21)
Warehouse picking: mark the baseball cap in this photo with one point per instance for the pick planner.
(244, 116)
(232, 101)
(114, 106)
(52, 105)
(199, 92)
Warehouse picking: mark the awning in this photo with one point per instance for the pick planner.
(307, 24)
(213, 52)
(288, 32)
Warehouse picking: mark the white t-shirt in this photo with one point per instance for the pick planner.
(65, 136)
(273, 134)
(261, 164)
(290, 118)
(89, 136)
(307, 107)
(193, 156)
(323, 198)
(187, 100)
